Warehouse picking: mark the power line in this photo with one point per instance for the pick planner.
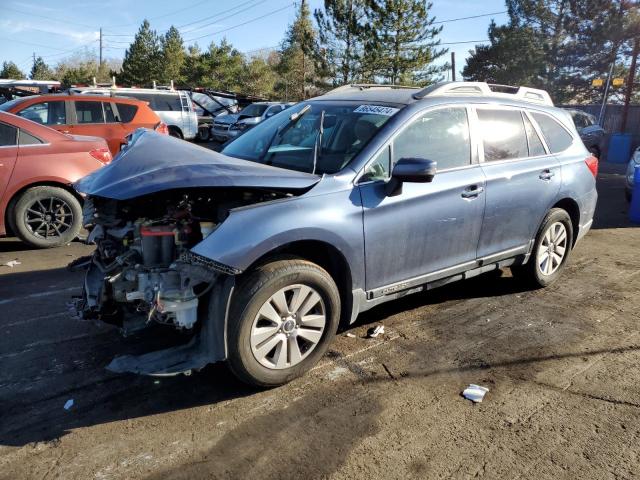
(215, 15)
(469, 18)
(48, 18)
(31, 43)
(225, 18)
(241, 24)
(466, 41)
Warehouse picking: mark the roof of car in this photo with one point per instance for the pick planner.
(373, 94)
(64, 96)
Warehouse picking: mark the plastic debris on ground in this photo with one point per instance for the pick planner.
(375, 331)
(350, 335)
(68, 404)
(475, 393)
(12, 263)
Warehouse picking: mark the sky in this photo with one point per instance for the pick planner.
(28, 26)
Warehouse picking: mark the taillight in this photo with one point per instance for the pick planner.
(103, 154)
(162, 128)
(592, 165)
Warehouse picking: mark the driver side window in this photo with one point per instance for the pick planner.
(441, 135)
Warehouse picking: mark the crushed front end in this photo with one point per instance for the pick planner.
(143, 273)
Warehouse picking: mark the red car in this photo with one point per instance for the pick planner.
(37, 167)
(111, 118)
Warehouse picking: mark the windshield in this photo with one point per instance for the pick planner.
(254, 110)
(294, 138)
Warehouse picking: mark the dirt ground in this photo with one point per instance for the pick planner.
(562, 366)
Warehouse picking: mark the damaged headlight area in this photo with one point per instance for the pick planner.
(143, 271)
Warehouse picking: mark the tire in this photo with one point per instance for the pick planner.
(204, 135)
(536, 271)
(174, 132)
(262, 350)
(46, 217)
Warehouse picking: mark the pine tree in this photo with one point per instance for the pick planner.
(194, 69)
(173, 56)
(403, 41)
(300, 67)
(503, 62)
(40, 70)
(11, 70)
(341, 32)
(223, 66)
(258, 77)
(142, 62)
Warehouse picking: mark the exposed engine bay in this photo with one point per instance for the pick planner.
(142, 271)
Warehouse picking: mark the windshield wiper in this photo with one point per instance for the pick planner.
(317, 150)
(281, 130)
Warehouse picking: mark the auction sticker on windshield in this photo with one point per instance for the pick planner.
(376, 109)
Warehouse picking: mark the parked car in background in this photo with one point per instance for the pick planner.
(174, 107)
(209, 105)
(342, 202)
(231, 126)
(590, 132)
(37, 167)
(111, 118)
(631, 167)
(253, 114)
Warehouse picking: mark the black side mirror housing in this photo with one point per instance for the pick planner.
(413, 170)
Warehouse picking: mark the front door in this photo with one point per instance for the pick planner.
(427, 227)
(522, 180)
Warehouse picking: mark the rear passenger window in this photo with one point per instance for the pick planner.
(536, 148)
(8, 135)
(441, 135)
(127, 112)
(167, 103)
(89, 112)
(46, 113)
(109, 116)
(28, 139)
(557, 137)
(503, 134)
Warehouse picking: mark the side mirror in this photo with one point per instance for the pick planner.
(417, 170)
(413, 170)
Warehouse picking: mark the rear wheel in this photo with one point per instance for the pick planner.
(45, 217)
(282, 321)
(550, 251)
(204, 134)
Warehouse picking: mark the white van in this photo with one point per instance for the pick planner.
(174, 107)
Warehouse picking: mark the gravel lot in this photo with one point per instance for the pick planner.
(562, 365)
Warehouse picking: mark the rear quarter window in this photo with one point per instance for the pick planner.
(127, 112)
(557, 137)
(25, 138)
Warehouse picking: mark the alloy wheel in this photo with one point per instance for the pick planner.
(49, 217)
(288, 327)
(552, 248)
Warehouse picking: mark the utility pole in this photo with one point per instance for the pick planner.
(453, 66)
(100, 63)
(630, 82)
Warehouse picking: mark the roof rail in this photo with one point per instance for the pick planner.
(363, 86)
(526, 94)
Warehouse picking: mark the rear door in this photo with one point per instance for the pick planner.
(427, 228)
(97, 118)
(522, 177)
(8, 154)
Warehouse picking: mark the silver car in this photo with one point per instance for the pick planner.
(174, 107)
(248, 118)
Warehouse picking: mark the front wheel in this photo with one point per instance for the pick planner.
(550, 251)
(45, 217)
(282, 321)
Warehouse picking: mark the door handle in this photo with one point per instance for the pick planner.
(472, 192)
(546, 175)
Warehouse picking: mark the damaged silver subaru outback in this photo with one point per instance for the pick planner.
(253, 255)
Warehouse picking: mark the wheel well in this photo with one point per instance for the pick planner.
(326, 256)
(572, 208)
(16, 196)
(176, 129)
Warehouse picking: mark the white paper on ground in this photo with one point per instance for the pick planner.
(475, 393)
